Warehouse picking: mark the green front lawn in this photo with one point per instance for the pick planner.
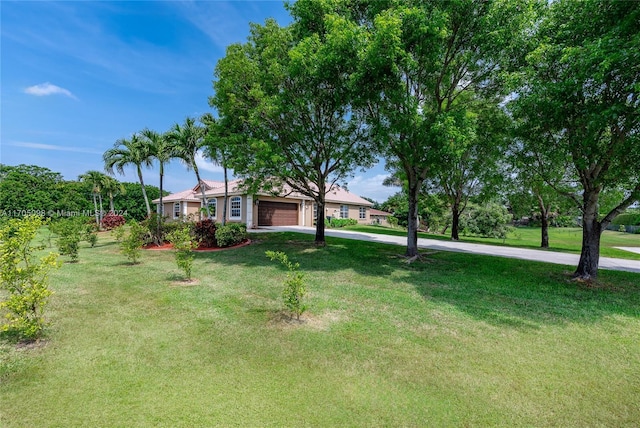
(451, 340)
(566, 239)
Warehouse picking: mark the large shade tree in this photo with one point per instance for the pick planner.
(471, 159)
(579, 104)
(538, 180)
(130, 152)
(424, 63)
(289, 92)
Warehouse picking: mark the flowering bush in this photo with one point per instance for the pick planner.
(111, 221)
(205, 232)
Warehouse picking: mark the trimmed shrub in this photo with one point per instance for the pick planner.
(342, 222)
(488, 221)
(231, 234)
(150, 225)
(111, 221)
(205, 232)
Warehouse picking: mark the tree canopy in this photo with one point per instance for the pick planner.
(289, 91)
(578, 104)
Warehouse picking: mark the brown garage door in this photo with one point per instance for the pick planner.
(277, 214)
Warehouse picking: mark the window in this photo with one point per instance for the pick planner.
(212, 204)
(315, 212)
(176, 210)
(236, 207)
(344, 211)
(363, 213)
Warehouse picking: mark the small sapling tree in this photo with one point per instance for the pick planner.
(132, 243)
(119, 232)
(70, 231)
(23, 278)
(184, 244)
(294, 286)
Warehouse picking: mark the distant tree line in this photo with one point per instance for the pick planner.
(34, 189)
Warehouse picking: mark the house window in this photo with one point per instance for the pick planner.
(212, 204)
(363, 213)
(315, 212)
(176, 210)
(236, 207)
(344, 211)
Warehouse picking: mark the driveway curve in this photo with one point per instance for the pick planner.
(465, 247)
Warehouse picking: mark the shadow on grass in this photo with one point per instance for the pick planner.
(500, 291)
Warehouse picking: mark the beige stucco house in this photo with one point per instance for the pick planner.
(290, 209)
(379, 217)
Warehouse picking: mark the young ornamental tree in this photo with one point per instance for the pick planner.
(24, 278)
(294, 286)
(183, 243)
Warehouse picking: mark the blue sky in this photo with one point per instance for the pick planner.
(78, 75)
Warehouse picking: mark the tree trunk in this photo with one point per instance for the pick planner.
(111, 207)
(320, 218)
(101, 209)
(204, 198)
(144, 192)
(544, 223)
(159, 211)
(455, 220)
(412, 224)
(95, 210)
(322, 193)
(591, 229)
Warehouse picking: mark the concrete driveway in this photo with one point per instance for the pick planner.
(465, 247)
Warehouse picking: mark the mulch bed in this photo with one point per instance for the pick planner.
(201, 249)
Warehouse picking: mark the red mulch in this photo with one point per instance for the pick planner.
(203, 249)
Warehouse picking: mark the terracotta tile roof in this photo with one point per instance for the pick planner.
(209, 184)
(338, 194)
(185, 195)
(378, 212)
(216, 188)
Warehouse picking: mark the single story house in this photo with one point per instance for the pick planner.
(379, 217)
(289, 209)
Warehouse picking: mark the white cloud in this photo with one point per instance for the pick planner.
(371, 187)
(40, 146)
(207, 165)
(44, 89)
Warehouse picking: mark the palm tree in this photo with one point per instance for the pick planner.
(112, 187)
(96, 179)
(161, 150)
(187, 140)
(216, 149)
(129, 152)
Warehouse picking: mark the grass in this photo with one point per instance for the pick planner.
(568, 239)
(452, 340)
